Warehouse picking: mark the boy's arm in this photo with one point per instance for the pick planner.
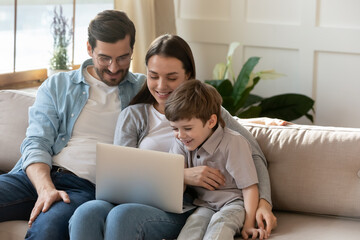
(251, 199)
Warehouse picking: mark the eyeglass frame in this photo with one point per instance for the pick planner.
(122, 60)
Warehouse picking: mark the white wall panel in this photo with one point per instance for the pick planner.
(337, 89)
(314, 42)
(206, 56)
(194, 9)
(339, 13)
(263, 11)
(285, 61)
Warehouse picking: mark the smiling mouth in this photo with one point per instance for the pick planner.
(163, 94)
(186, 142)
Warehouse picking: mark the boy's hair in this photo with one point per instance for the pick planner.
(111, 26)
(194, 99)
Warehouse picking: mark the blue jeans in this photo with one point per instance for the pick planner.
(18, 196)
(102, 220)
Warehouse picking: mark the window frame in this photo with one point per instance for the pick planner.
(34, 77)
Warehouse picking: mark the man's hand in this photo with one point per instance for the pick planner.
(204, 176)
(264, 214)
(46, 198)
(39, 175)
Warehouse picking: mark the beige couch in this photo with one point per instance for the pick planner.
(314, 172)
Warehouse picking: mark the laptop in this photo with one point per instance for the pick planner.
(132, 175)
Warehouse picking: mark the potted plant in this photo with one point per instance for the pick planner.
(62, 35)
(239, 102)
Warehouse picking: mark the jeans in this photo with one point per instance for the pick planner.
(102, 220)
(18, 196)
(206, 223)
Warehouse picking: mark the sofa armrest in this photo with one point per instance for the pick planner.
(14, 106)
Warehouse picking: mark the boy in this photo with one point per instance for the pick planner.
(193, 110)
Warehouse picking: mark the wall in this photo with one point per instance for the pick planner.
(316, 43)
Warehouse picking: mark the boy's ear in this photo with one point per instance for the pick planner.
(212, 121)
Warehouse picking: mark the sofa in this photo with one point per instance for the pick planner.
(314, 173)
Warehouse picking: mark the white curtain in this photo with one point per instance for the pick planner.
(151, 18)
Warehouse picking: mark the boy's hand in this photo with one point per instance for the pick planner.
(204, 176)
(254, 233)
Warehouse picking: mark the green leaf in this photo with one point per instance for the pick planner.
(239, 103)
(287, 106)
(228, 104)
(243, 77)
(252, 99)
(252, 112)
(224, 87)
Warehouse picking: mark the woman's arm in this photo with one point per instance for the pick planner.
(264, 212)
(129, 126)
(257, 155)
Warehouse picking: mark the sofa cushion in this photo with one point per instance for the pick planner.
(312, 169)
(13, 230)
(14, 106)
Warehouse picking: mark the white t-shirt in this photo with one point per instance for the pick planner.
(96, 123)
(160, 137)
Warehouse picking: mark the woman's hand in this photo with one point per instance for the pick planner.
(264, 214)
(204, 176)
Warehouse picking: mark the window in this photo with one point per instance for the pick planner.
(26, 40)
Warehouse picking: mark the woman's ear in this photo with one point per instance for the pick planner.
(188, 76)
(212, 121)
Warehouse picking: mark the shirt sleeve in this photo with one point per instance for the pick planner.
(42, 131)
(178, 148)
(257, 155)
(126, 130)
(239, 162)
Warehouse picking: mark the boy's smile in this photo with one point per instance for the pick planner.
(193, 133)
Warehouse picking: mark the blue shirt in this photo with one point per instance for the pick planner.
(59, 101)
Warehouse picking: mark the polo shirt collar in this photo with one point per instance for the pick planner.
(211, 144)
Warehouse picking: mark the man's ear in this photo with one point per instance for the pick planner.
(212, 121)
(89, 49)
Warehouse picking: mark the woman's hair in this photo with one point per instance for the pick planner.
(111, 26)
(167, 45)
(194, 99)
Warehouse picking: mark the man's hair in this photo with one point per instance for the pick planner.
(167, 45)
(194, 99)
(111, 26)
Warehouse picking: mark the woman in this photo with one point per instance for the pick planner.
(169, 62)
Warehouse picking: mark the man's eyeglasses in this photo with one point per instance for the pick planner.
(106, 61)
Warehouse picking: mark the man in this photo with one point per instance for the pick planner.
(72, 112)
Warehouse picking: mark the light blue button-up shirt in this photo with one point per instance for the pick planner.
(59, 101)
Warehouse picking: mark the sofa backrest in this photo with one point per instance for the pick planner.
(13, 123)
(312, 169)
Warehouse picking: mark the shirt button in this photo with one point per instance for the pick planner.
(84, 93)
(72, 115)
(63, 139)
(198, 156)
